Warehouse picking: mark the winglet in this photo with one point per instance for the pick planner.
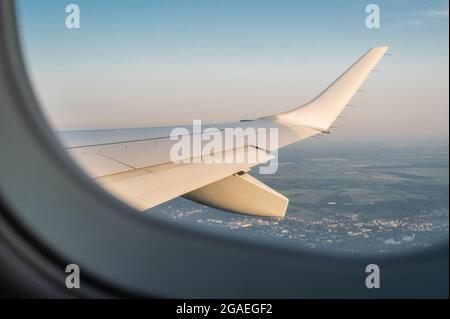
(321, 112)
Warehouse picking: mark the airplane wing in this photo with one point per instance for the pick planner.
(136, 164)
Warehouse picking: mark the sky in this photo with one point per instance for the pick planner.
(157, 63)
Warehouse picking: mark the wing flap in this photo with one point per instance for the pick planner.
(241, 193)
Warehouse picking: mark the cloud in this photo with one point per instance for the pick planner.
(410, 23)
(436, 13)
(419, 18)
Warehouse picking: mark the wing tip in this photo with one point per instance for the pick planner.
(380, 49)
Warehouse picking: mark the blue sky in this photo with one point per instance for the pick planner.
(149, 63)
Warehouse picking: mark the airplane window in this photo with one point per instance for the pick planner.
(360, 168)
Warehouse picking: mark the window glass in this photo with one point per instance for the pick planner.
(377, 184)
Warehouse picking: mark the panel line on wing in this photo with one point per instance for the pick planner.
(113, 159)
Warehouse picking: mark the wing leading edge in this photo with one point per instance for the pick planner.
(134, 164)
